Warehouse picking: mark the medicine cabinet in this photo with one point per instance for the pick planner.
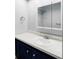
(50, 16)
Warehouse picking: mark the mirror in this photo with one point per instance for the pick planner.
(50, 16)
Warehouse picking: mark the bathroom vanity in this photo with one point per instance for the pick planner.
(32, 46)
(25, 51)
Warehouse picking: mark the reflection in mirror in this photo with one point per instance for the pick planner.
(50, 17)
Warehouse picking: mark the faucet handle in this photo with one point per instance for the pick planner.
(46, 37)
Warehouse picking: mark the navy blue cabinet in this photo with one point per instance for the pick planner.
(25, 51)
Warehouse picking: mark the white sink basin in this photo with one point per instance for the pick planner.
(43, 42)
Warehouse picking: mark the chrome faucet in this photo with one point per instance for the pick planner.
(46, 37)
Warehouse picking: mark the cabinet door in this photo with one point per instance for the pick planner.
(44, 19)
(44, 56)
(25, 51)
(17, 49)
(36, 54)
(22, 51)
(41, 56)
(56, 15)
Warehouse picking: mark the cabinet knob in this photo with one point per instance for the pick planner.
(34, 55)
(27, 51)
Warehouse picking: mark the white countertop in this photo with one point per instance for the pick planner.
(49, 46)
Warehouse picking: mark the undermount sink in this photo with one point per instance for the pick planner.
(43, 41)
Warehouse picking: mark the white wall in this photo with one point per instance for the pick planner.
(21, 8)
(33, 5)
